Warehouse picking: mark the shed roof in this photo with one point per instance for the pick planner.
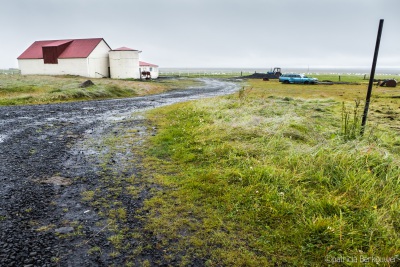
(145, 64)
(124, 49)
(77, 48)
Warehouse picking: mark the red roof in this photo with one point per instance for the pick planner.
(57, 43)
(124, 49)
(145, 64)
(77, 48)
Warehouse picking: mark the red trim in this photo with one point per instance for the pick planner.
(145, 64)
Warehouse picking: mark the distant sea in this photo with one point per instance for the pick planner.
(316, 70)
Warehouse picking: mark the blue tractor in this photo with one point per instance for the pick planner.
(274, 74)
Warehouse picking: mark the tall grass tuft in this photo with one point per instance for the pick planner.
(351, 121)
(243, 92)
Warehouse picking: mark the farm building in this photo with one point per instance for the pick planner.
(124, 63)
(148, 69)
(84, 57)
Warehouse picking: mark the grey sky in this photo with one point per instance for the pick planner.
(213, 33)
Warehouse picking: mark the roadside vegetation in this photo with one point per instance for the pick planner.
(270, 175)
(23, 90)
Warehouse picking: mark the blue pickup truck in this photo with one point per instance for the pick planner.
(297, 78)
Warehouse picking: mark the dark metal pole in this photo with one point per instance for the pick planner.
(371, 78)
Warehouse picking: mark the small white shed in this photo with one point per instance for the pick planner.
(148, 68)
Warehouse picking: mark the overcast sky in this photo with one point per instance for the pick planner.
(213, 33)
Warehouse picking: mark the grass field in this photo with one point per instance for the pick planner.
(273, 175)
(321, 77)
(270, 176)
(22, 90)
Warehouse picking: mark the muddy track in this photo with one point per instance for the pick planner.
(51, 155)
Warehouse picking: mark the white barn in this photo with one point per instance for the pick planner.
(83, 57)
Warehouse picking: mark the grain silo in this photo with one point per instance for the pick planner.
(124, 63)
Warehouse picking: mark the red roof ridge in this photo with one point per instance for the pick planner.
(142, 63)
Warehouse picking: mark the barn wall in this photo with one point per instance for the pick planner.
(124, 64)
(98, 61)
(71, 66)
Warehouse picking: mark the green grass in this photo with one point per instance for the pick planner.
(384, 107)
(350, 77)
(266, 177)
(23, 90)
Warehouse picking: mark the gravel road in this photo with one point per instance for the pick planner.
(44, 154)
